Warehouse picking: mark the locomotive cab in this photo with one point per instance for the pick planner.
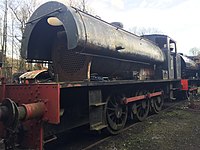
(172, 65)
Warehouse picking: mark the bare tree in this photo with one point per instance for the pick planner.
(12, 32)
(4, 39)
(143, 30)
(1, 33)
(195, 51)
(22, 10)
(81, 4)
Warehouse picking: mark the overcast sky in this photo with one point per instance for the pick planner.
(179, 19)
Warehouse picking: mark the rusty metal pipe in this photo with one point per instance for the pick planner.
(34, 110)
(10, 113)
(22, 112)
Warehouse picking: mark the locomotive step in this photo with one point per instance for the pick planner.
(98, 104)
(98, 126)
(172, 98)
(175, 89)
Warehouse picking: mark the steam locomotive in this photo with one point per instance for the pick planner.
(98, 74)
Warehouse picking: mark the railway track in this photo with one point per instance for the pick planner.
(84, 139)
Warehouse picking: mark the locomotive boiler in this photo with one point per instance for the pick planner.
(98, 75)
(80, 45)
(189, 68)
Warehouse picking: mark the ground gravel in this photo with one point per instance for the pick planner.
(175, 129)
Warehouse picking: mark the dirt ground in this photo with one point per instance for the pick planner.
(174, 129)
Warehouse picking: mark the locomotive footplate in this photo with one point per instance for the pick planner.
(24, 109)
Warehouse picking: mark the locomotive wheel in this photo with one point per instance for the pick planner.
(116, 114)
(157, 103)
(142, 107)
